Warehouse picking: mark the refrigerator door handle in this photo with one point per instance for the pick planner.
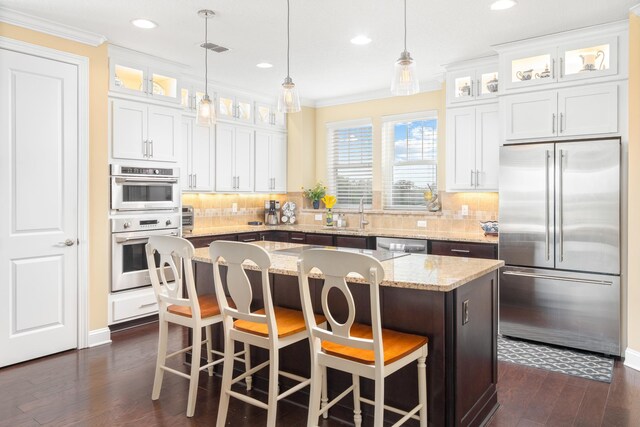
(546, 206)
(560, 206)
(559, 278)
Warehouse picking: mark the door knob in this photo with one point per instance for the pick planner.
(68, 242)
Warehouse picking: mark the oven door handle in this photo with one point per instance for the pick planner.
(131, 239)
(120, 180)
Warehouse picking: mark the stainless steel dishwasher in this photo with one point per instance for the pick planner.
(413, 246)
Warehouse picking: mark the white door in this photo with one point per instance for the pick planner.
(243, 159)
(202, 157)
(129, 130)
(38, 187)
(461, 157)
(186, 135)
(487, 147)
(279, 162)
(263, 181)
(588, 110)
(225, 179)
(163, 133)
(531, 115)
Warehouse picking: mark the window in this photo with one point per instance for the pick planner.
(350, 162)
(410, 159)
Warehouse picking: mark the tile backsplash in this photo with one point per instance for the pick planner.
(213, 210)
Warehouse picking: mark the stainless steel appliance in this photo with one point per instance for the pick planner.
(272, 212)
(559, 210)
(413, 246)
(129, 235)
(187, 219)
(143, 188)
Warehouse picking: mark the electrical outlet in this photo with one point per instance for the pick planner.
(465, 312)
(234, 208)
(422, 224)
(318, 217)
(465, 210)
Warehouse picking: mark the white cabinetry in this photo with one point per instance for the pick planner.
(234, 158)
(232, 107)
(197, 156)
(271, 162)
(131, 305)
(267, 115)
(578, 111)
(142, 131)
(472, 80)
(190, 95)
(149, 81)
(473, 138)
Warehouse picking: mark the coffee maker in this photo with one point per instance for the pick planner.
(271, 212)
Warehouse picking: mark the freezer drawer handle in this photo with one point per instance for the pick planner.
(559, 278)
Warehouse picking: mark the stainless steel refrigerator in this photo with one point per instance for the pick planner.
(559, 218)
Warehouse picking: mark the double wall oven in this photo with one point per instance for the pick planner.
(144, 202)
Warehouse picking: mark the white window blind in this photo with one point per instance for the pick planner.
(410, 159)
(350, 162)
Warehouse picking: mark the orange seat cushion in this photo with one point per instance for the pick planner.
(396, 345)
(208, 307)
(288, 322)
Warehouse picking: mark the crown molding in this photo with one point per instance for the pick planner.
(635, 9)
(46, 26)
(425, 86)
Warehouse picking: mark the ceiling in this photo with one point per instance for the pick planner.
(324, 64)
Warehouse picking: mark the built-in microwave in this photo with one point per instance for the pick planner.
(136, 188)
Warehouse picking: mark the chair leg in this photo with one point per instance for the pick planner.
(247, 365)
(195, 370)
(357, 411)
(422, 390)
(324, 400)
(378, 410)
(317, 381)
(273, 388)
(209, 338)
(227, 372)
(163, 334)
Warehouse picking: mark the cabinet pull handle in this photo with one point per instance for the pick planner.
(248, 240)
(190, 181)
(477, 178)
(553, 68)
(297, 238)
(238, 182)
(471, 178)
(195, 180)
(144, 148)
(150, 87)
(151, 150)
(472, 87)
(553, 123)
(149, 304)
(461, 251)
(561, 122)
(478, 87)
(561, 67)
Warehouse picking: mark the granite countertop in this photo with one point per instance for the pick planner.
(407, 234)
(414, 271)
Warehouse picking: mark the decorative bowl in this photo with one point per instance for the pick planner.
(489, 227)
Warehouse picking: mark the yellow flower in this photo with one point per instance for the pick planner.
(329, 201)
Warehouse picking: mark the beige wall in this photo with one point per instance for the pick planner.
(633, 245)
(301, 155)
(98, 171)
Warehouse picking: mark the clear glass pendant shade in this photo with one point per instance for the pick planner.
(405, 79)
(289, 101)
(206, 115)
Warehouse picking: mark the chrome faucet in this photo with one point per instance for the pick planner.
(363, 222)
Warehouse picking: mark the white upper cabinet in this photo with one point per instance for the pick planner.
(268, 116)
(472, 80)
(232, 107)
(271, 162)
(147, 81)
(196, 170)
(191, 93)
(140, 131)
(564, 58)
(473, 140)
(577, 111)
(234, 158)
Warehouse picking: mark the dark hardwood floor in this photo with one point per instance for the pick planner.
(111, 385)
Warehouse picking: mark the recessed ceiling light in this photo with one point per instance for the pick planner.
(264, 65)
(361, 40)
(503, 4)
(144, 23)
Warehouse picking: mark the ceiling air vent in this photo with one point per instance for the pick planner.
(214, 47)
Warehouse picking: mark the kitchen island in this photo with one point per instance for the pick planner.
(453, 301)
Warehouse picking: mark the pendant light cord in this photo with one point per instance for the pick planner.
(405, 25)
(288, 38)
(206, 61)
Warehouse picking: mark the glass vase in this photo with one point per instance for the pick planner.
(329, 218)
(316, 204)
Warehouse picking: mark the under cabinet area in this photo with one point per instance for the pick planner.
(473, 140)
(270, 162)
(234, 158)
(196, 170)
(141, 131)
(578, 111)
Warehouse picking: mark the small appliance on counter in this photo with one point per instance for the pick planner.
(272, 212)
(188, 219)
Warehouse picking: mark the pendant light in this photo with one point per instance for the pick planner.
(288, 101)
(405, 80)
(206, 115)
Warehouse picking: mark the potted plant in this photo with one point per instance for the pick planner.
(315, 193)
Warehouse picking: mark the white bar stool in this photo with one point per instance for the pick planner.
(174, 254)
(271, 328)
(364, 351)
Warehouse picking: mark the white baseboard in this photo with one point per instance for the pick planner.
(632, 359)
(99, 337)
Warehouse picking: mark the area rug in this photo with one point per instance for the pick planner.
(557, 359)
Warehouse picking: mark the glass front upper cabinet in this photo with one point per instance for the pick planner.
(535, 69)
(587, 59)
(128, 79)
(472, 84)
(234, 108)
(143, 81)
